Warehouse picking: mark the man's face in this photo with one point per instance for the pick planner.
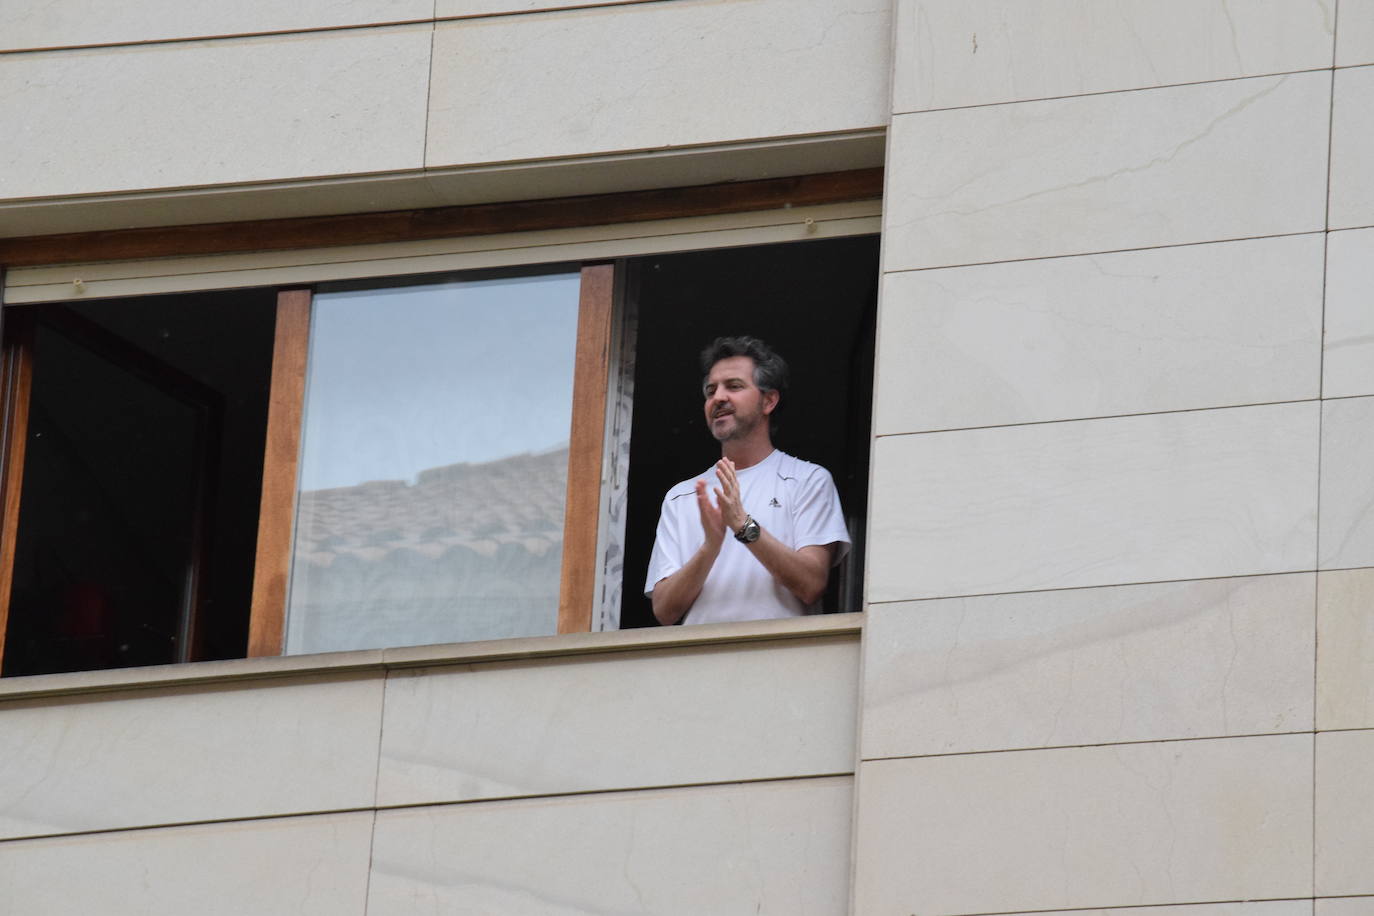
(734, 404)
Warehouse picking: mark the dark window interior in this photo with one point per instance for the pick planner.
(138, 513)
(815, 303)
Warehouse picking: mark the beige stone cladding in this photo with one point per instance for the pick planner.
(1124, 248)
(672, 74)
(386, 101)
(1355, 39)
(181, 754)
(1348, 356)
(1352, 145)
(219, 112)
(683, 771)
(1345, 649)
(77, 23)
(313, 865)
(1071, 828)
(1347, 494)
(1345, 796)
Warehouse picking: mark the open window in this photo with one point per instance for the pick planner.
(299, 464)
(384, 463)
(134, 444)
(815, 303)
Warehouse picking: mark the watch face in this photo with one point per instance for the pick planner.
(748, 532)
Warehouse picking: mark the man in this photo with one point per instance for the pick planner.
(756, 535)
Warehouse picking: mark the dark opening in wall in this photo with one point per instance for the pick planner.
(815, 303)
(142, 474)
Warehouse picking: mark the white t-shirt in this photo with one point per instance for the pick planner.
(793, 500)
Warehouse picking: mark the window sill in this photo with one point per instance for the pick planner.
(377, 660)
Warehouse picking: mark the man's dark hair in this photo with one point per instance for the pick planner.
(770, 369)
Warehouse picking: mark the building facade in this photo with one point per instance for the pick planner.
(1109, 643)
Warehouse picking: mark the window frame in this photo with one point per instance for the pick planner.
(16, 381)
(601, 285)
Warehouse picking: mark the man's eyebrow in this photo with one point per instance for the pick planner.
(708, 385)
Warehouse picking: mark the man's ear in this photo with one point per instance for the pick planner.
(770, 401)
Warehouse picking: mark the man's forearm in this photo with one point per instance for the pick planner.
(674, 595)
(803, 572)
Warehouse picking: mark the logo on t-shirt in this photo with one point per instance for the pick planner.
(774, 503)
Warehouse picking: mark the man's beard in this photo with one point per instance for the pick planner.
(742, 428)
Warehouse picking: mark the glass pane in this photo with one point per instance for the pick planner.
(433, 463)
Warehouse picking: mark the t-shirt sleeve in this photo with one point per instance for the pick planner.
(819, 519)
(666, 558)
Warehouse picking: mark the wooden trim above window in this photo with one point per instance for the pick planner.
(444, 222)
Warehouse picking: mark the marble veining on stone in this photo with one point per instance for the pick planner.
(1157, 497)
(953, 53)
(1065, 338)
(1089, 666)
(1101, 173)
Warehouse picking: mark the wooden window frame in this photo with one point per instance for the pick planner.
(16, 381)
(281, 454)
(281, 461)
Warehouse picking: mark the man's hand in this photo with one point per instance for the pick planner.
(728, 506)
(802, 572)
(711, 521)
(673, 596)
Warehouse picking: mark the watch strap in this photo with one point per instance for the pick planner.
(748, 533)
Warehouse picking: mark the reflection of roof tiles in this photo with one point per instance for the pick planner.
(512, 501)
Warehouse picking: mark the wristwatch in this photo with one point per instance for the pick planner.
(748, 533)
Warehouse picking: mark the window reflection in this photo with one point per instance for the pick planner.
(433, 463)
